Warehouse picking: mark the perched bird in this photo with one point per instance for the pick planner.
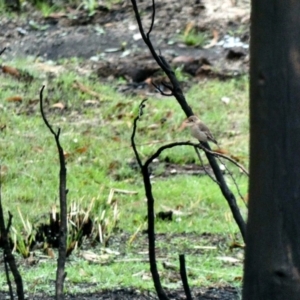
(199, 130)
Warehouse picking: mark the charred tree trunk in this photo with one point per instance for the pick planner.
(272, 264)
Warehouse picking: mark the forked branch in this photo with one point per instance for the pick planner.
(178, 94)
(150, 209)
(150, 203)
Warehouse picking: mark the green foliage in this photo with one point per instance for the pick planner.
(194, 38)
(46, 8)
(181, 76)
(89, 5)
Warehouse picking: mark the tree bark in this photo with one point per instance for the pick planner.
(272, 263)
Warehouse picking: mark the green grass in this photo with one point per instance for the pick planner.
(194, 38)
(203, 270)
(46, 7)
(96, 141)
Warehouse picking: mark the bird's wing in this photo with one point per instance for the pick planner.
(205, 129)
(210, 137)
(202, 126)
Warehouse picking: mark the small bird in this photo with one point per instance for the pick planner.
(199, 130)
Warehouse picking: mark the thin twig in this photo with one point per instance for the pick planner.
(9, 260)
(234, 181)
(174, 144)
(225, 157)
(161, 91)
(4, 254)
(145, 37)
(152, 19)
(10, 216)
(1, 52)
(133, 145)
(206, 172)
(56, 134)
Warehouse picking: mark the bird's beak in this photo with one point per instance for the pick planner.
(184, 124)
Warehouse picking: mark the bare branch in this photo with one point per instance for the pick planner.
(225, 157)
(150, 210)
(62, 251)
(11, 294)
(178, 94)
(150, 204)
(160, 90)
(184, 277)
(137, 156)
(152, 19)
(10, 216)
(1, 52)
(199, 156)
(145, 37)
(164, 147)
(220, 179)
(9, 260)
(167, 85)
(44, 117)
(234, 181)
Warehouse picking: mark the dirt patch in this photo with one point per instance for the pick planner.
(223, 293)
(110, 39)
(138, 249)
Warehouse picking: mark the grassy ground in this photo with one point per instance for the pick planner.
(48, 7)
(95, 136)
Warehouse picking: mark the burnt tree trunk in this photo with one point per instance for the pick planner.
(272, 264)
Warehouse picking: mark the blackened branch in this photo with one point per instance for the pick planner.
(61, 261)
(1, 52)
(184, 277)
(11, 293)
(145, 37)
(161, 91)
(10, 216)
(206, 172)
(137, 156)
(150, 202)
(9, 260)
(171, 145)
(225, 157)
(234, 181)
(150, 209)
(152, 19)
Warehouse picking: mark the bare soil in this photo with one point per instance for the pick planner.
(110, 42)
(225, 293)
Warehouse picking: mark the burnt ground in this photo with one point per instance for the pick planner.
(227, 293)
(109, 44)
(118, 243)
(109, 41)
